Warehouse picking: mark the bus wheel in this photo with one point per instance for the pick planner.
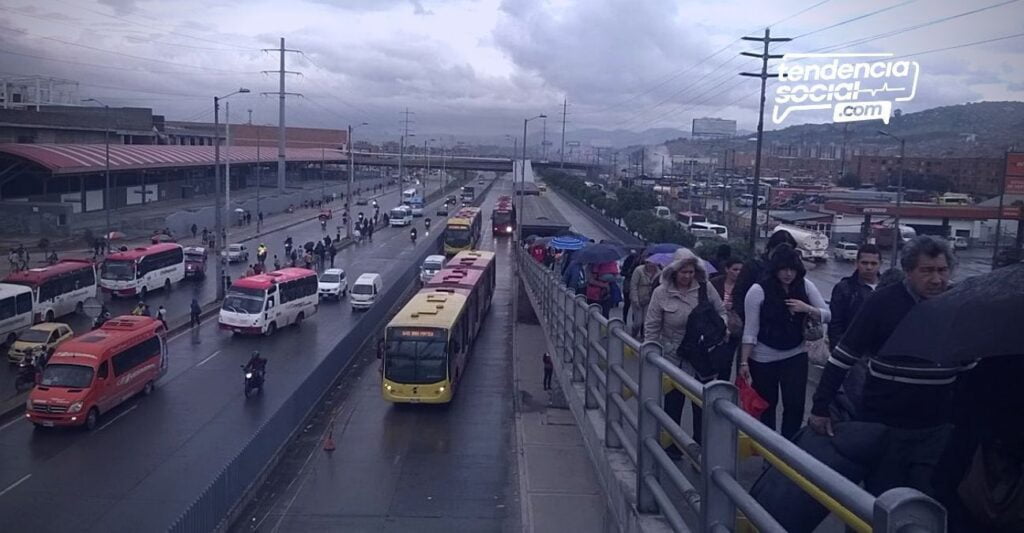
(148, 389)
(49, 316)
(299, 319)
(92, 419)
(167, 285)
(271, 329)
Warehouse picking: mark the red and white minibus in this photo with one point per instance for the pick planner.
(262, 303)
(143, 269)
(57, 289)
(94, 372)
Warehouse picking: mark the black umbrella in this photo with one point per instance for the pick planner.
(981, 317)
(599, 253)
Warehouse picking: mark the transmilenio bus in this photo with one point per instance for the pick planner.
(503, 216)
(143, 269)
(428, 343)
(263, 303)
(59, 289)
(462, 231)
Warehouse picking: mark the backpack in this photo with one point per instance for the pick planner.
(597, 291)
(705, 333)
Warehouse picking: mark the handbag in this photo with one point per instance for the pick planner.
(813, 328)
(751, 402)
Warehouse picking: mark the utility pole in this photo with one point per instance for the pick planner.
(764, 56)
(250, 117)
(401, 148)
(348, 193)
(544, 140)
(259, 182)
(281, 136)
(842, 152)
(561, 152)
(227, 170)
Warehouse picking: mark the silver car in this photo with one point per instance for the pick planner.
(236, 253)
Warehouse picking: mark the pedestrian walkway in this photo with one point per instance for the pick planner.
(558, 485)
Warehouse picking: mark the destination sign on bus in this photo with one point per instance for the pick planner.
(418, 333)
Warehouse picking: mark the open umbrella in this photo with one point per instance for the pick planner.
(663, 259)
(662, 248)
(982, 316)
(115, 236)
(599, 253)
(568, 242)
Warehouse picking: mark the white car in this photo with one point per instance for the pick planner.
(332, 284)
(236, 253)
(845, 251)
(960, 243)
(431, 265)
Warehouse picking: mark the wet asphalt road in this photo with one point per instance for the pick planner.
(178, 300)
(151, 456)
(412, 467)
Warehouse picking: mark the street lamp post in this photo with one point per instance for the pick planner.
(897, 239)
(218, 215)
(106, 161)
(351, 174)
(518, 231)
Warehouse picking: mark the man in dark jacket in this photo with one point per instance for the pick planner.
(910, 398)
(851, 292)
(632, 261)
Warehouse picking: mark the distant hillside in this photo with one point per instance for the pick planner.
(983, 129)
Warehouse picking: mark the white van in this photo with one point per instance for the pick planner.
(332, 284)
(431, 265)
(400, 216)
(365, 290)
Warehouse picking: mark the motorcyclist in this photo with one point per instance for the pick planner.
(288, 246)
(101, 318)
(412, 235)
(256, 365)
(261, 253)
(426, 221)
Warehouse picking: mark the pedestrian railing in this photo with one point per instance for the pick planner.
(594, 349)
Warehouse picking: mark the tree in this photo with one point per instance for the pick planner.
(849, 180)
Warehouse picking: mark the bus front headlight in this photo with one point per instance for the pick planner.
(387, 386)
(440, 390)
(75, 407)
(508, 229)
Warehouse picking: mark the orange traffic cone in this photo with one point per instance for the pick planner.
(329, 442)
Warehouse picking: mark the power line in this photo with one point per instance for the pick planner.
(854, 19)
(114, 67)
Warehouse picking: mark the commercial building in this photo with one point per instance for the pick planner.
(977, 176)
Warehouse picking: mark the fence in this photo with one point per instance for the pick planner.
(215, 503)
(594, 349)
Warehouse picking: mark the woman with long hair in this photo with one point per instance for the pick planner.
(773, 356)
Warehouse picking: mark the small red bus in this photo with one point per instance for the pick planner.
(143, 269)
(263, 303)
(57, 289)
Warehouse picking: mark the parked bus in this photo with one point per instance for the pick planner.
(94, 372)
(428, 342)
(462, 231)
(503, 216)
(58, 289)
(15, 311)
(263, 303)
(143, 269)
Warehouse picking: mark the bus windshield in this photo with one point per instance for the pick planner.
(457, 235)
(502, 218)
(246, 301)
(67, 376)
(415, 361)
(118, 270)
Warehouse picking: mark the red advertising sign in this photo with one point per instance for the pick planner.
(1015, 173)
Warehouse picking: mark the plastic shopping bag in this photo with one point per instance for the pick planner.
(750, 400)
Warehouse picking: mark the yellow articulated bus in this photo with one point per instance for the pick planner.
(428, 342)
(462, 231)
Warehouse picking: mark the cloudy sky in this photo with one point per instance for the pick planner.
(480, 66)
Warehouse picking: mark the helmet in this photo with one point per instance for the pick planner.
(255, 354)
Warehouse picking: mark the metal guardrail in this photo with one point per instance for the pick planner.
(215, 504)
(594, 349)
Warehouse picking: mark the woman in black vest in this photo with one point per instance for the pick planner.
(773, 356)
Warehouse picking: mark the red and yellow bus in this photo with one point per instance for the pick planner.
(427, 344)
(462, 231)
(94, 372)
(503, 216)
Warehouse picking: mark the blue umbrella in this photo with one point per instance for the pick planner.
(568, 242)
(599, 253)
(663, 248)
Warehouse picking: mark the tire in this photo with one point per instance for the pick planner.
(11, 337)
(271, 329)
(148, 388)
(167, 285)
(49, 316)
(92, 419)
(299, 319)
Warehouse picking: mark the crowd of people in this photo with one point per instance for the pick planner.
(884, 422)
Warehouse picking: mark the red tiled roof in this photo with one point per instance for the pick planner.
(84, 158)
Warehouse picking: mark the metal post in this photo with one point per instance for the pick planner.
(218, 222)
(718, 452)
(281, 164)
(348, 194)
(897, 508)
(999, 213)
(593, 337)
(227, 170)
(259, 183)
(615, 350)
(323, 179)
(579, 308)
(897, 240)
(648, 427)
(106, 169)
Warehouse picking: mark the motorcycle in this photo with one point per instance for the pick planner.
(103, 317)
(29, 370)
(253, 380)
(412, 235)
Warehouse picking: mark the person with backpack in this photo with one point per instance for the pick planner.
(773, 356)
(683, 290)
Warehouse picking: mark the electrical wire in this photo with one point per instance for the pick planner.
(115, 67)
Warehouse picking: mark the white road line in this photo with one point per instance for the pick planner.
(211, 356)
(15, 484)
(11, 423)
(116, 418)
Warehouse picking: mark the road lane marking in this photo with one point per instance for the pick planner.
(11, 423)
(116, 418)
(211, 356)
(15, 484)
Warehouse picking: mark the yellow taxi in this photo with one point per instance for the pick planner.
(47, 335)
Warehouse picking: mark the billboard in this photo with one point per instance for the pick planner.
(704, 128)
(1014, 173)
